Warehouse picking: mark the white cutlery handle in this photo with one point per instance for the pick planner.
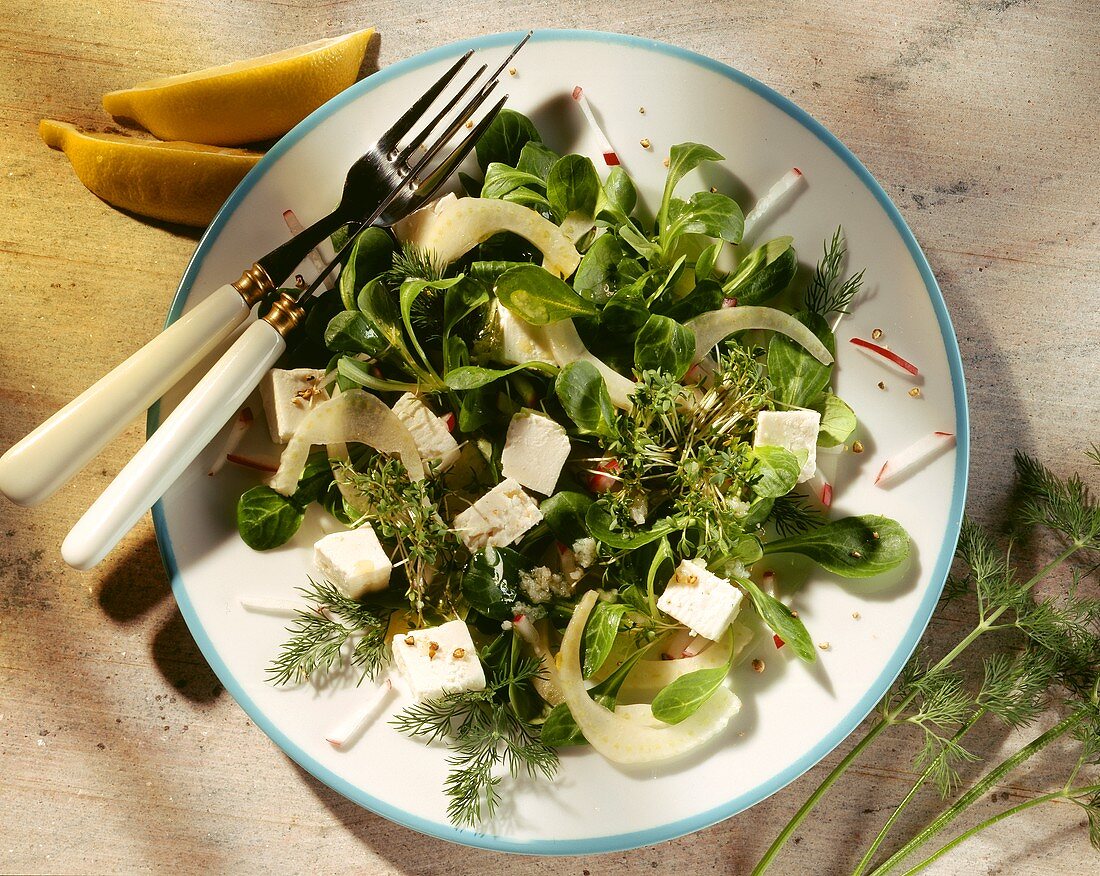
(180, 438)
(50, 455)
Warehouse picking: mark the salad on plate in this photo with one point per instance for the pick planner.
(555, 440)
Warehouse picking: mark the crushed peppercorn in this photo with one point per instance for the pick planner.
(458, 653)
(645, 142)
(876, 334)
(757, 665)
(881, 385)
(857, 447)
(915, 392)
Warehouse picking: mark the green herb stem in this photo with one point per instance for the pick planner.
(816, 796)
(978, 790)
(865, 861)
(1063, 795)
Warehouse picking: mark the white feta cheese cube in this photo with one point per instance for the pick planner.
(354, 561)
(433, 439)
(438, 660)
(700, 600)
(288, 396)
(792, 430)
(535, 449)
(520, 341)
(498, 518)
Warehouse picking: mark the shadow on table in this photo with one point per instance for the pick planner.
(135, 585)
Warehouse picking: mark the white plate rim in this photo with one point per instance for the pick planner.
(843, 728)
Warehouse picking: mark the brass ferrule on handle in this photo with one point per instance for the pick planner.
(285, 314)
(253, 285)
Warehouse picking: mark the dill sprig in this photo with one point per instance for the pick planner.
(487, 736)
(413, 263)
(320, 633)
(1051, 654)
(826, 293)
(793, 514)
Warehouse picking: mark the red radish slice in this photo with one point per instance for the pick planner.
(822, 489)
(315, 257)
(448, 421)
(779, 643)
(729, 302)
(352, 728)
(886, 354)
(253, 462)
(787, 182)
(916, 453)
(604, 479)
(610, 157)
(241, 424)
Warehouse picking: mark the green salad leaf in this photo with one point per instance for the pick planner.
(663, 344)
(853, 547)
(267, 519)
(682, 698)
(582, 391)
(537, 296)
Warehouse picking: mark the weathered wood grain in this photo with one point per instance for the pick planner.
(118, 749)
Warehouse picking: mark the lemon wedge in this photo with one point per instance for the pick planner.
(176, 182)
(245, 101)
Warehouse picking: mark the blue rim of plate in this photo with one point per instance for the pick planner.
(674, 829)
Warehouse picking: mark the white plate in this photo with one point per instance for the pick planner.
(793, 715)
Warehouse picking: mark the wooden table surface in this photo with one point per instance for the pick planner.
(119, 749)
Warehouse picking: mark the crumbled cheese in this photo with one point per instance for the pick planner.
(354, 561)
(433, 439)
(288, 396)
(535, 449)
(700, 600)
(498, 518)
(795, 431)
(438, 660)
(531, 612)
(541, 584)
(584, 552)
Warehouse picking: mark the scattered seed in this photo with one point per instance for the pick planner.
(432, 648)
(470, 123)
(511, 71)
(855, 554)
(665, 162)
(876, 334)
(409, 640)
(874, 535)
(881, 385)
(645, 142)
(758, 665)
(856, 615)
(458, 653)
(794, 612)
(641, 109)
(713, 189)
(915, 392)
(824, 646)
(857, 447)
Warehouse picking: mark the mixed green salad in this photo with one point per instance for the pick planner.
(626, 398)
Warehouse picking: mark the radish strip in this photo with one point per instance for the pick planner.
(770, 199)
(715, 325)
(252, 462)
(916, 453)
(352, 728)
(240, 425)
(822, 489)
(288, 608)
(451, 227)
(354, 415)
(630, 734)
(314, 256)
(610, 157)
(567, 346)
(886, 354)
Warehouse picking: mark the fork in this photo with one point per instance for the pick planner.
(47, 458)
(221, 391)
